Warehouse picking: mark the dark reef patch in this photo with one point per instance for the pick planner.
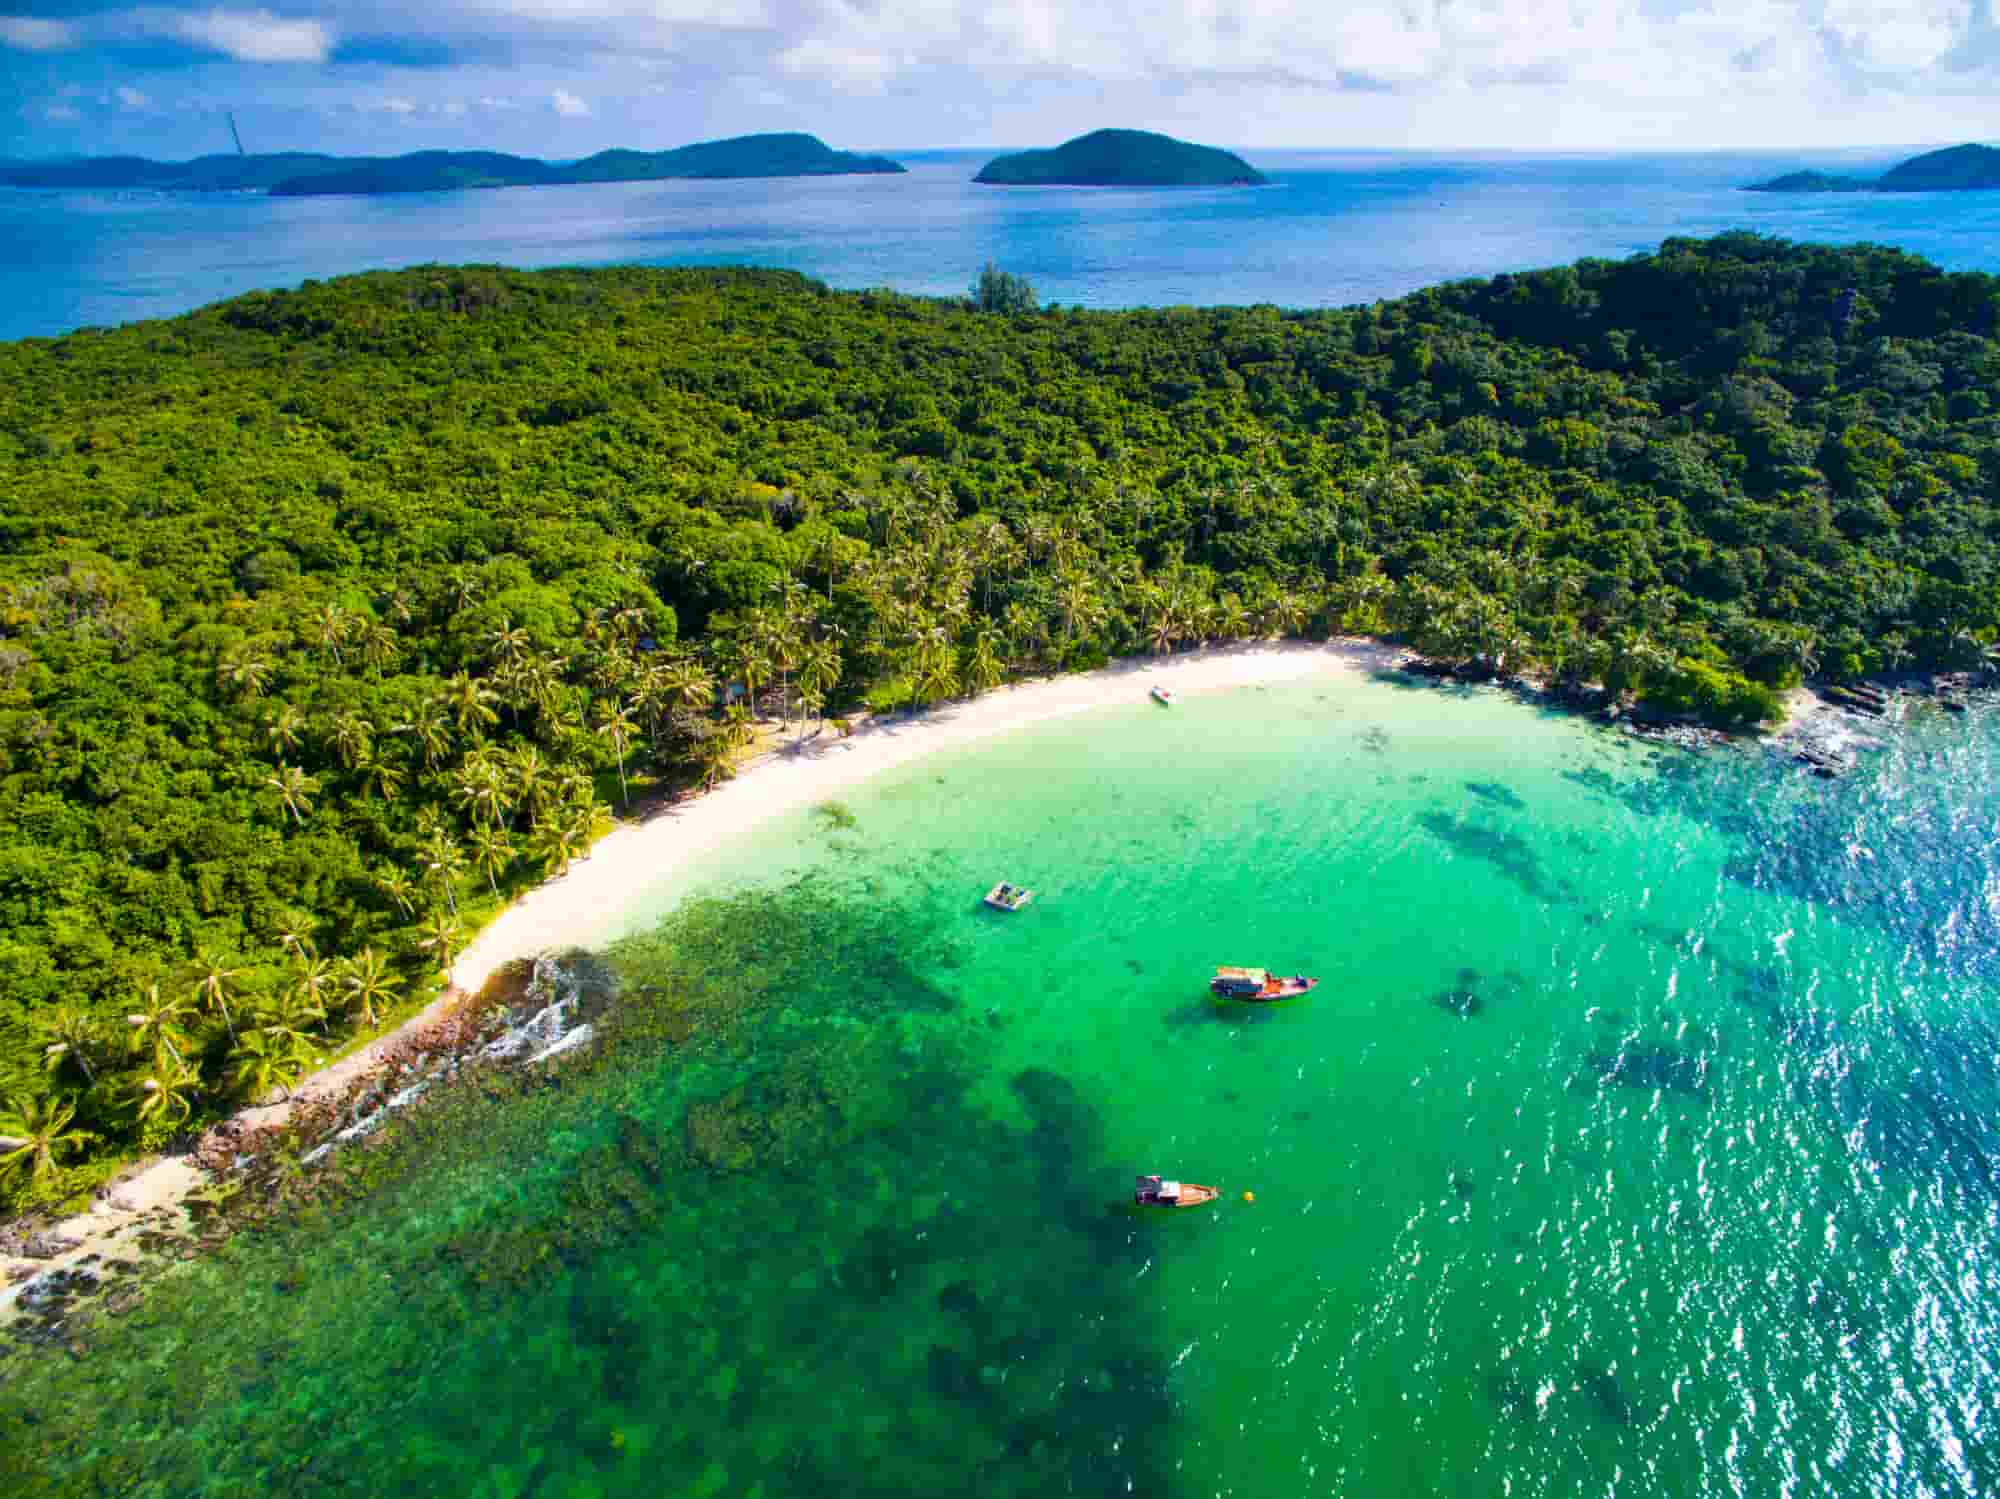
(1497, 795)
(1507, 852)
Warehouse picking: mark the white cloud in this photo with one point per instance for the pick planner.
(32, 35)
(256, 35)
(131, 98)
(566, 104)
(391, 104)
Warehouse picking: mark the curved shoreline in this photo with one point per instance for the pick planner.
(596, 901)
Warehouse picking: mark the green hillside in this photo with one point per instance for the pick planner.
(1122, 158)
(329, 618)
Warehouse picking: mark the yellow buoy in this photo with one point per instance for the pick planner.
(1249, 1196)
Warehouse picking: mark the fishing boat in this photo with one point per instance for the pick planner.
(1164, 696)
(1258, 986)
(1158, 1192)
(1006, 897)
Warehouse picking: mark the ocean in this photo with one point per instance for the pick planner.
(1334, 228)
(1642, 1139)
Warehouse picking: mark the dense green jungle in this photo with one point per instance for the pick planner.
(332, 618)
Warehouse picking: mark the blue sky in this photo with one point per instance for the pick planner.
(560, 78)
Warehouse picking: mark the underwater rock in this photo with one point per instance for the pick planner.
(952, 1374)
(1507, 852)
(1460, 1002)
(1652, 1066)
(1463, 1184)
(1494, 792)
(1511, 1394)
(639, 1148)
(1601, 1389)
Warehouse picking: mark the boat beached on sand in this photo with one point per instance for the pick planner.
(1164, 696)
(1258, 986)
(1157, 1192)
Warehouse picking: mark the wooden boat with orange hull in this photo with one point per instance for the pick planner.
(1159, 1192)
(1257, 986)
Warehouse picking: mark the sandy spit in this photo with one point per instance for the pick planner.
(593, 902)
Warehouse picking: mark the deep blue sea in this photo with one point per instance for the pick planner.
(1334, 228)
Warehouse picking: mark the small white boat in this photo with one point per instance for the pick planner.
(1006, 897)
(1164, 696)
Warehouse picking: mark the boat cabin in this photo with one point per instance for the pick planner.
(1240, 981)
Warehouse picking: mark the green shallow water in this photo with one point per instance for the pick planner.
(1639, 1140)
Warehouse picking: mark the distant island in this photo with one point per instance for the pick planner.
(302, 174)
(1955, 169)
(1122, 158)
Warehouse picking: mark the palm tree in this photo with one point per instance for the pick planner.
(331, 625)
(166, 1091)
(431, 728)
(747, 658)
(265, 1059)
(369, 984)
(212, 984)
(492, 852)
(295, 790)
(531, 779)
(295, 934)
(712, 753)
(284, 728)
(440, 940)
(72, 1037)
(983, 669)
(244, 671)
(937, 671)
(350, 737)
(819, 668)
(691, 682)
(556, 845)
(507, 642)
(615, 725)
(157, 1025)
(34, 1131)
(306, 996)
(382, 777)
(443, 862)
(379, 645)
(470, 703)
(395, 883)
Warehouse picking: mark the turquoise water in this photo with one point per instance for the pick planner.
(1334, 228)
(1640, 1140)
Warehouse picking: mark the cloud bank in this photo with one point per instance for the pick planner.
(1550, 74)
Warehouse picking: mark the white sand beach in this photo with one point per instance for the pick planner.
(600, 895)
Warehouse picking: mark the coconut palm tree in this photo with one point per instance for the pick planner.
(396, 884)
(350, 737)
(492, 852)
(368, 984)
(244, 672)
(690, 682)
(532, 780)
(983, 668)
(266, 1059)
(614, 725)
(305, 998)
(555, 845)
(71, 1036)
(506, 642)
(284, 728)
(443, 862)
(819, 668)
(330, 626)
(383, 778)
(430, 727)
(165, 1092)
(470, 702)
(295, 934)
(156, 1027)
(441, 940)
(212, 984)
(33, 1132)
(295, 790)
(379, 646)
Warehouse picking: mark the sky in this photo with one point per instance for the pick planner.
(563, 78)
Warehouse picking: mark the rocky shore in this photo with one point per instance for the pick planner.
(528, 1014)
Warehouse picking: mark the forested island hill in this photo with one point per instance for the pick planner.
(332, 618)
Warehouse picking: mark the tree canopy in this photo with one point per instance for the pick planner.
(330, 616)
